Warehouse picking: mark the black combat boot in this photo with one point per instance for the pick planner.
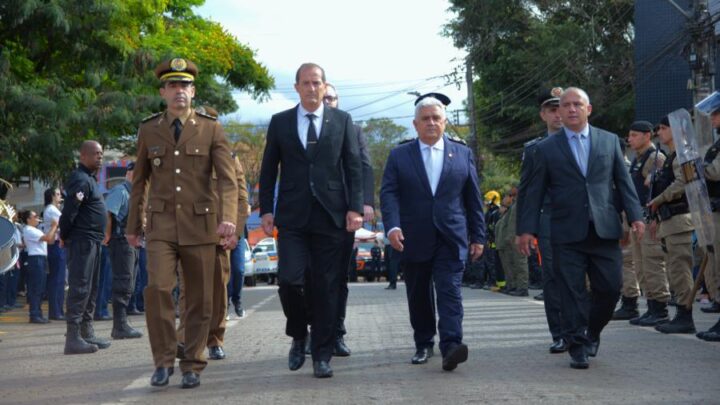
(74, 344)
(682, 323)
(121, 329)
(650, 306)
(88, 333)
(628, 310)
(658, 315)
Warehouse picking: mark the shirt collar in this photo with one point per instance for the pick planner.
(585, 132)
(302, 112)
(439, 145)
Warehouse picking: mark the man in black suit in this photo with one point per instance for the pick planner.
(319, 200)
(581, 169)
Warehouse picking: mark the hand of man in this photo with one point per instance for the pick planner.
(106, 239)
(226, 229)
(353, 220)
(524, 243)
(229, 243)
(476, 250)
(266, 222)
(653, 207)
(62, 243)
(396, 238)
(133, 240)
(638, 228)
(368, 213)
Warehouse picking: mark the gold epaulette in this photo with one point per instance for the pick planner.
(457, 140)
(205, 115)
(146, 119)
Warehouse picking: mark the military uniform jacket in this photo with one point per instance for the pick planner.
(182, 206)
(674, 192)
(505, 228)
(242, 204)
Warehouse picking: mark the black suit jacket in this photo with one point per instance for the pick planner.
(367, 171)
(333, 174)
(574, 197)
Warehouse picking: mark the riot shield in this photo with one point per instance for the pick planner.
(690, 155)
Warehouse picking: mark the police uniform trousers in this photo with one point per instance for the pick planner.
(516, 268)
(123, 259)
(441, 276)
(649, 261)
(198, 266)
(630, 282)
(679, 257)
(632, 277)
(83, 256)
(586, 313)
(320, 248)
(551, 290)
(57, 262)
(221, 277)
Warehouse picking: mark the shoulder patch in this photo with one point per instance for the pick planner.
(204, 115)
(533, 141)
(146, 119)
(457, 140)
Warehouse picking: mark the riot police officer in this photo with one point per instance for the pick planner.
(673, 225)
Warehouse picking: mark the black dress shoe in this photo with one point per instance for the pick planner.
(422, 355)
(57, 318)
(341, 349)
(578, 357)
(456, 355)
(321, 369)
(540, 297)
(712, 309)
(559, 346)
(592, 347)
(180, 351)
(161, 376)
(190, 380)
(391, 287)
(40, 320)
(296, 358)
(216, 353)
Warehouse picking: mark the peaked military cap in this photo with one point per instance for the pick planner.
(438, 96)
(176, 70)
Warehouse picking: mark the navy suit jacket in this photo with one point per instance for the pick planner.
(573, 197)
(453, 214)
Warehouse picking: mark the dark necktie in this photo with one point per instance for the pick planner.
(312, 138)
(178, 129)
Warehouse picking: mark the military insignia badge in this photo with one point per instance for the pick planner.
(80, 196)
(178, 65)
(157, 162)
(556, 91)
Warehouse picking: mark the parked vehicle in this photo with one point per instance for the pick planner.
(364, 266)
(249, 259)
(266, 259)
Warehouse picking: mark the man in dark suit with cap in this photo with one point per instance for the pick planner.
(432, 209)
(549, 101)
(178, 150)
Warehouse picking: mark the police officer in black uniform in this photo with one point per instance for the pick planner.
(549, 102)
(122, 256)
(82, 226)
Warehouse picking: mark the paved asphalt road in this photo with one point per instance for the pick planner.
(508, 363)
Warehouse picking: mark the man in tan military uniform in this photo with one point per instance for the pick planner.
(514, 264)
(221, 277)
(177, 153)
(648, 270)
(712, 271)
(675, 228)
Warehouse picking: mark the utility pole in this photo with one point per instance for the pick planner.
(472, 138)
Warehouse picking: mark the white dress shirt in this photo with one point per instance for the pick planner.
(304, 123)
(433, 161)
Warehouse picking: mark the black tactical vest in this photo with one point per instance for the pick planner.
(662, 181)
(637, 177)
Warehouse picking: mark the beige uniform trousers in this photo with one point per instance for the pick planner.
(515, 267)
(199, 265)
(649, 269)
(678, 258)
(221, 277)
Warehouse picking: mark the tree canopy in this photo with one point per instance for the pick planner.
(518, 47)
(72, 70)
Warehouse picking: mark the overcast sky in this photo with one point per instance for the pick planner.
(373, 51)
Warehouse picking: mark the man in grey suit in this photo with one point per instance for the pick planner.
(581, 169)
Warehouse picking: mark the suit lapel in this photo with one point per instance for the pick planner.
(564, 145)
(449, 155)
(164, 129)
(417, 161)
(594, 145)
(190, 130)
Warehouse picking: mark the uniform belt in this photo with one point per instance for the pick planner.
(667, 211)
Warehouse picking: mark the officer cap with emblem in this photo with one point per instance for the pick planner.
(438, 96)
(176, 70)
(550, 97)
(641, 126)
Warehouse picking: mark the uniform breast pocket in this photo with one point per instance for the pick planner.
(200, 155)
(154, 207)
(156, 155)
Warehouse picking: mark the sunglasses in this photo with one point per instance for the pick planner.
(329, 98)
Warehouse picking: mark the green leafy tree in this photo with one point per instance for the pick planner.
(382, 135)
(72, 70)
(248, 142)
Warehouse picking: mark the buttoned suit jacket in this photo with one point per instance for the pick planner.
(573, 196)
(181, 204)
(333, 175)
(454, 212)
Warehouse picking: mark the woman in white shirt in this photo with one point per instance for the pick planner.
(36, 247)
(55, 257)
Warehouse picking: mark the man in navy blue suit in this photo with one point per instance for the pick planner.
(431, 205)
(582, 169)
